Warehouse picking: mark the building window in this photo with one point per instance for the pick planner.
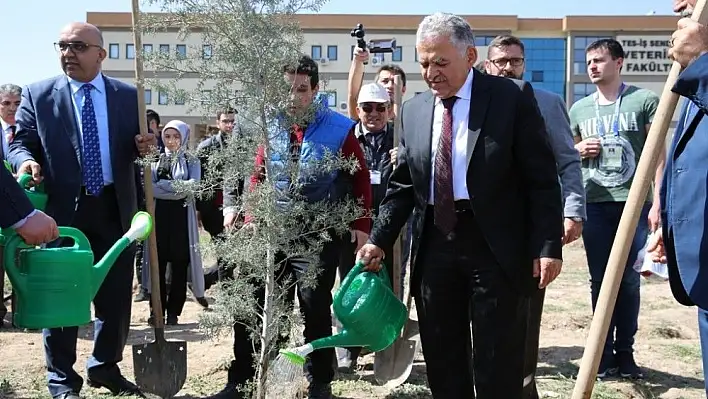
(380, 57)
(416, 54)
(206, 51)
(331, 98)
(181, 51)
(114, 51)
(483, 40)
(179, 100)
(130, 51)
(332, 53)
(582, 90)
(546, 63)
(165, 48)
(397, 55)
(316, 53)
(148, 96)
(147, 48)
(162, 98)
(353, 48)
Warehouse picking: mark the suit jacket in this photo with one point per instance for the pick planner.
(684, 189)
(554, 113)
(512, 177)
(15, 204)
(48, 133)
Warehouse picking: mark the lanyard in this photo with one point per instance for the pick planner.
(373, 146)
(614, 122)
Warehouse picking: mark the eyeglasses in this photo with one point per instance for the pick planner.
(501, 62)
(370, 107)
(7, 103)
(227, 120)
(76, 47)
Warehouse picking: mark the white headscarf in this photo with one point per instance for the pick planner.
(183, 130)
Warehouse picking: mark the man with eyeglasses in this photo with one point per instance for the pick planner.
(62, 139)
(375, 135)
(209, 209)
(505, 57)
(9, 101)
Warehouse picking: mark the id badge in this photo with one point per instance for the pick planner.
(375, 176)
(611, 155)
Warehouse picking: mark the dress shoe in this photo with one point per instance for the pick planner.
(115, 383)
(68, 395)
(142, 296)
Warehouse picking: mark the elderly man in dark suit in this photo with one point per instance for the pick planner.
(78, 132)
(476, 169)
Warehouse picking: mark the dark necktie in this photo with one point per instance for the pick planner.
(92, 171)
(445, 217)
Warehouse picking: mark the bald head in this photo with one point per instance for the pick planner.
(88, 33)
(81, 48)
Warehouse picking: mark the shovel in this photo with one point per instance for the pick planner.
(160, 366)
(393, 366)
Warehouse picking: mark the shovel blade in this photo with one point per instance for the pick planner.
(393, 365)
(160, 367)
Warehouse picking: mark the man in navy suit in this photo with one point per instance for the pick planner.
(78, 133)
(681, 243)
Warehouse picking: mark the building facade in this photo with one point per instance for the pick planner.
(555, 51)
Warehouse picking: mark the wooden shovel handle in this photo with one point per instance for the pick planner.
(149, 194)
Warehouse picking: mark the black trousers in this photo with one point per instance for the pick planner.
(457, 281)
(315, 305)
(347, 259)
(3, 308)
(97, 218)
(533, 336)
(213, 222)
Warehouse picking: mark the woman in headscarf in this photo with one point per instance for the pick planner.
(176, 227)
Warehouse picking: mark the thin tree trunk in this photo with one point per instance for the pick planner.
(266, 333)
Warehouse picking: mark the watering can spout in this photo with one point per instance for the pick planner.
(140, 228)
(344, 339)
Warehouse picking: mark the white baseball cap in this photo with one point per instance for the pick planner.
(373, 93)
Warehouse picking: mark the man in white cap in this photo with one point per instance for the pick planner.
(375, 135)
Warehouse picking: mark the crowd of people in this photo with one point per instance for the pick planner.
(491, 176)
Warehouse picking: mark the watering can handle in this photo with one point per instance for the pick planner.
(358, 267)
(15, 242)
(24, 180)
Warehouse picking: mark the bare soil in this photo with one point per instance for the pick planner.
(667, 347)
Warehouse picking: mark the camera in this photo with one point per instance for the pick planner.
(375, 46)
(379, 46)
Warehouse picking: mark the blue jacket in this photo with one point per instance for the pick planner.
(684, 201)
(324, 137)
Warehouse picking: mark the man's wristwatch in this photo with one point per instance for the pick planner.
(576, 219)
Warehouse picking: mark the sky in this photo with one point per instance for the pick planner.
(34, 57)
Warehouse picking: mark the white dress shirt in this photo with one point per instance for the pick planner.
(4, 131)
(460, 121)
(100, 106)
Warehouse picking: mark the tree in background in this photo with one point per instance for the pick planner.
(238, 62)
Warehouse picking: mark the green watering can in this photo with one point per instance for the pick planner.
(55, 286)
(370, 313)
